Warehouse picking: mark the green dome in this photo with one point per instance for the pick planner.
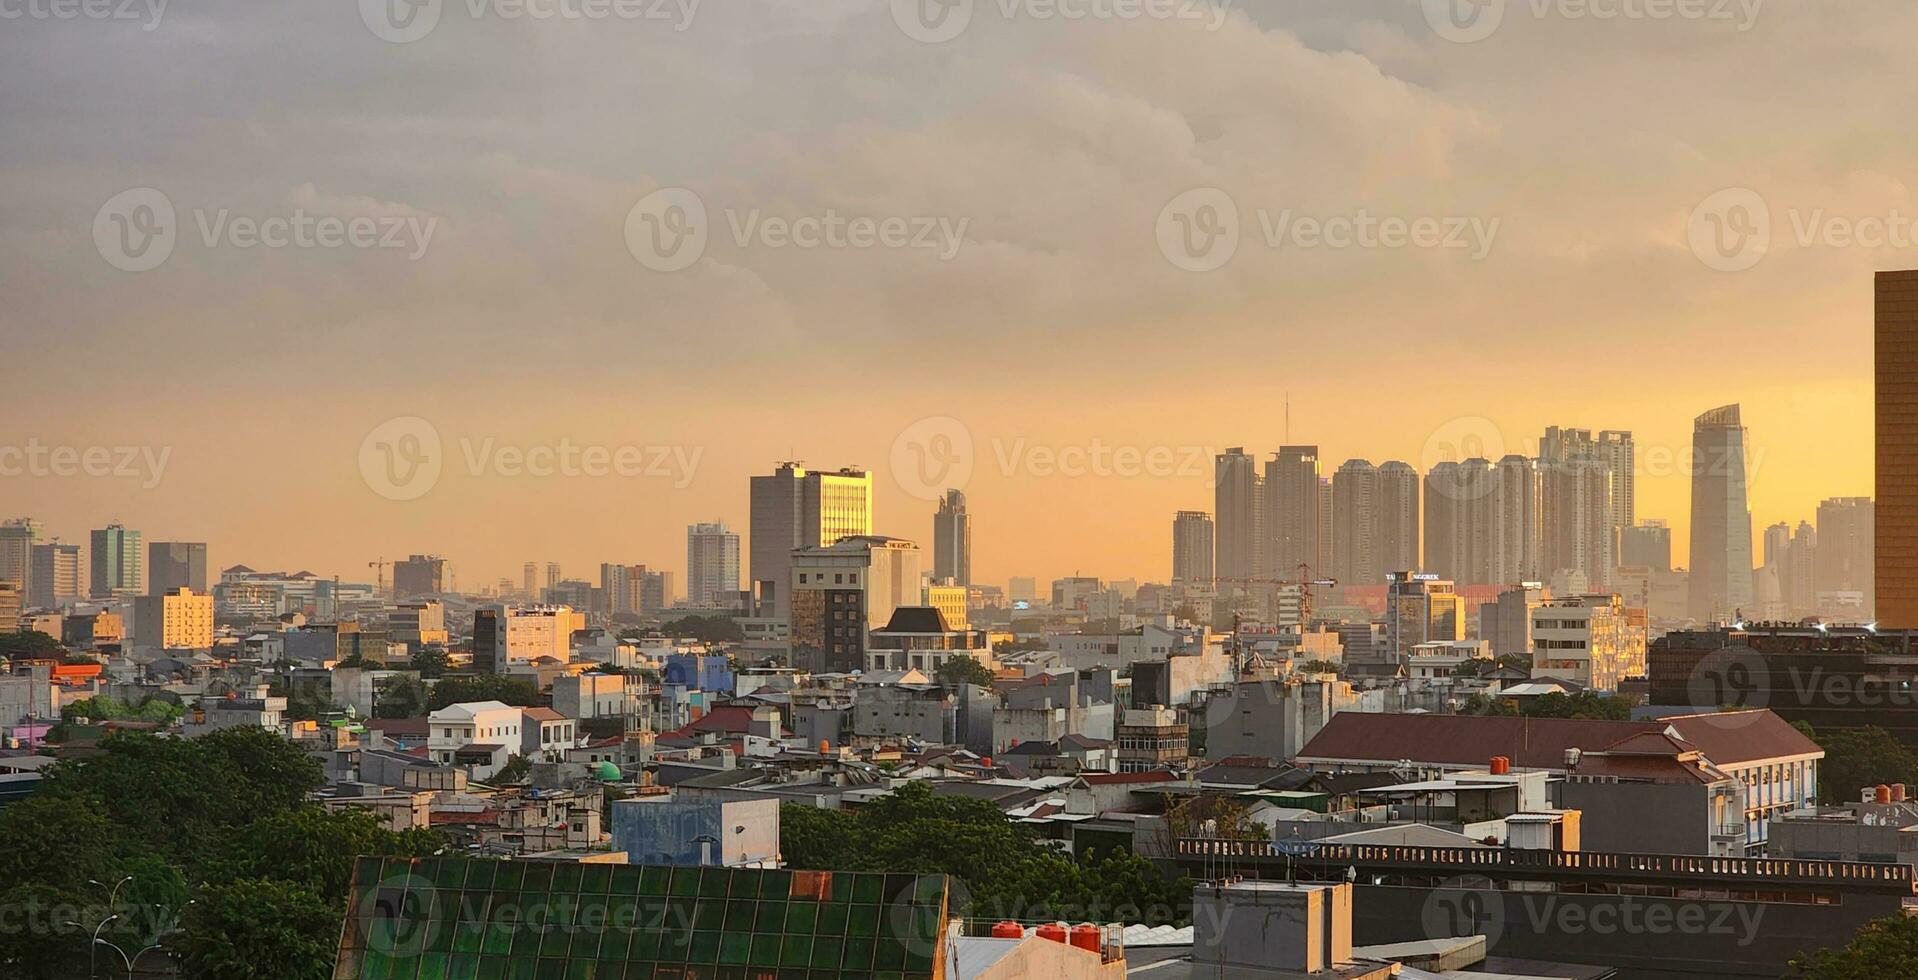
(607, 772)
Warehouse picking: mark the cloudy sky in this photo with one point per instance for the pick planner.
(328, 271)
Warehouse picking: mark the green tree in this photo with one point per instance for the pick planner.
(964, 670)
(1855, 758)
(515, 691)
(1885, 948)
(710, 629)
(1580, 704)
(315, 848)
(404, 698)
(1319, 667)
(1004, 870)
(29, 645)
(431, 662)
(259, 929)
(513, 771)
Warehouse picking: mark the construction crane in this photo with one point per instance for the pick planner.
(1305, 583)
(379, 567)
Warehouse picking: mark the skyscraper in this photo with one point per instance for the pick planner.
(1235, 482)
(712, 565)
(952, 540)
(1575, 507)
(1721, 565)
(1462, 522)
(1355, 554)
(1192, 545)
(1843, 561)
(1895, 527)
(529, 580)
(1620, 456)
(1801, 595)
(1291, 502)
(800, 508)
(115, 557)
(56, 575)
(173, 565)
(552, 575)
(1396, 524)
(1517, 515)
(17, 538)
(1648, 544)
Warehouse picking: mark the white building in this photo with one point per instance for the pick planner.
(1588, 639)
(472, 724)
(506, 636)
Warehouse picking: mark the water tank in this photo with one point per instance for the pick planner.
(1008, 930)
(1501, 765)
(1087, 936)
(1053, 932)
(1898, 792)
(1884, 793)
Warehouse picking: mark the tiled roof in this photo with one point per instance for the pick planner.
(1731, 738)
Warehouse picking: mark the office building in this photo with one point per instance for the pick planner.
(178, 620)
(176, 565)
(1236, 495)
(952, 539)
(55, 577)
(12, 602)
(1843, 565)
(1022, 589)
(418, 624)
(1291, 523)
(17, 540)
(1506, 623)
(1192, 544)
(953, 602)
(842, 591)
(799, 508)
(1721, 533)
(116, 562)
(419, 575)
(1647, 544)
(1420, 608)
(712, 565)
(529, 580)
(505, 636)
(1895, 529)
(1801, 572)
(1587, 639)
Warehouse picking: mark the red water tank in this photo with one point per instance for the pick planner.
(1053, 932)
(1898, 792)
(1884, 793)
(1008, 930)
(824, 747)
(1087, 936)
(1501, 765)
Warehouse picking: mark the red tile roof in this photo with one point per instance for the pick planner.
(1725, 739)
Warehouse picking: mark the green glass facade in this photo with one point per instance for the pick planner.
(477, 919)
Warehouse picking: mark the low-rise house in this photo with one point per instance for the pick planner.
(546, 735)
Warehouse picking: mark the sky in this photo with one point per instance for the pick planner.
(547, 280)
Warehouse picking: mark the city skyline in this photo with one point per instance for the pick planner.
(1017, 526)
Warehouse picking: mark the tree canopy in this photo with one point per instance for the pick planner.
(223, 821)
(1885, 948)
(1004, 871)
(518, 692)
(964, 670)
(1857, 758)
